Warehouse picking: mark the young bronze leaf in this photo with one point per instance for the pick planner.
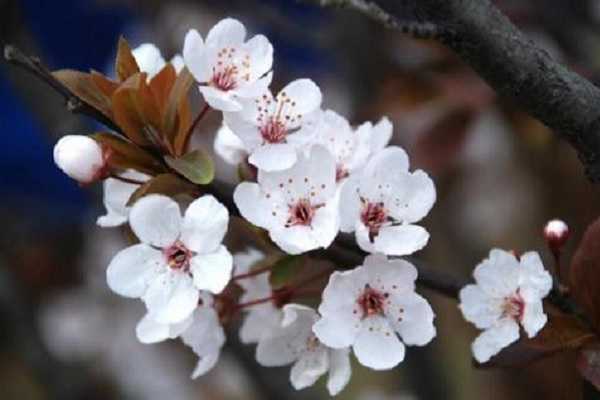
(125, 65)
(128, 110)
(126, 155)
(584, 274)
(106, 85)
(176, 119)
(196, 166)
(588, 363)
(167, 184)
(161, 86)
(84, 87)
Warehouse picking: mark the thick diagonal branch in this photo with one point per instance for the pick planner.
(512, 64)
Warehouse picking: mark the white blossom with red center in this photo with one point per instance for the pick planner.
(202, 331)
(298, 206)
(508, 293)
(274, 129)
(374, 309)
(382, 203)
(260, 319)
(177, 257)
(116, 196)
(227, 66)
(293, 342)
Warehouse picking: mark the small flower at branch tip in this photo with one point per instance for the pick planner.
(375, 310)
(116, 196)
(227, 66)
(507, 295)
(382, 203)
(81, 158)
(292, 341)
(274, 129)
(201, 331)
(177, 257)
(556, 234)
(297, 206)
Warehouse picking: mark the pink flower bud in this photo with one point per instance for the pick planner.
(80, 157)
(556, 234)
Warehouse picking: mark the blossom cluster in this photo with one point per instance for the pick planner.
(316, 176)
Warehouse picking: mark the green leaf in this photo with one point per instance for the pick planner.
(284, 270)
(167, 184)
(196, 166)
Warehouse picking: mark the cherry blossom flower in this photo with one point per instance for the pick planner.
(116, 196)
(151, 61)
(177, 257)
(274, 129)
(201, 331)
(378, 135)
(227, 67)
(80, 157)
(262, 318)
(382, 203)
(294, 342)
(298, 206)
(508, 292)
(229, 147)
(369, 306)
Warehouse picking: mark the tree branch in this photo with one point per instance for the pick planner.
(512, 64)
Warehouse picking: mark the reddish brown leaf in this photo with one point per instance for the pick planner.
(84, 87)
(126, 155)
(125, 65)
(588, 364)
(161, 86)
(107, 86)
(584, 274)
(177, 117)
(167, 184)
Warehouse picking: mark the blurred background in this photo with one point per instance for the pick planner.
(500, 176)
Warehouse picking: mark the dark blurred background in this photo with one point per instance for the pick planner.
(500, 176)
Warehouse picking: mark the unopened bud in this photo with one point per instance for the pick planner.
(556, 234)
(80, 157)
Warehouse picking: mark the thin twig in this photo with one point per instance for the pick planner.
(126, 180)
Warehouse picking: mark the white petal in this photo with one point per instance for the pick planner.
(381, 135)
(295, 239)
(194, 56)
(116, 196)
(178, 63)
(132, 269)
(250, 201)
(227, 32)
(273, 157)
(363, 239)
(205, 335)
(412, 317)
(349, 204)
(478, 307)
(244, 261)
(325, 224)
(413, 196)
(204, 224)
(254, 90)
(212, 271)
(229, 146)
(377, 346)
(260, 323)
(533, 275)
(306, 95)
(534, 318)
(390, 160)
(245, 130)
(149, 59)
(220, 100)
(171, 297)
(401, 240)
(499, 274)
(339, 370)
(494, 339)
(396, 277)
(205, 364)
(309, 367)
(149, 331)
(260, 52)
(156, 220)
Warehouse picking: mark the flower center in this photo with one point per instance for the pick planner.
(341, 172)
(312, 343)
(513, 307)
(274, 131)
(178, 256)
(371, 302)
(301, 213)
(224, 79)
(373, 215)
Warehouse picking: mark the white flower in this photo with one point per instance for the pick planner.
(262, 318)
(229, 147)
(350, 148)
(367, 308)
(379, 135)
(151, 61)
(202, 331)
(508, 292)
(116, 196)
(80, 157)
(294, 342)
(177, 257)
(228, 67)
(382, 203)
(298, 206)
(274, 129)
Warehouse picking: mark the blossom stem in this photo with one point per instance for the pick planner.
(252, 273)
(190, 132)
(126, 180)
